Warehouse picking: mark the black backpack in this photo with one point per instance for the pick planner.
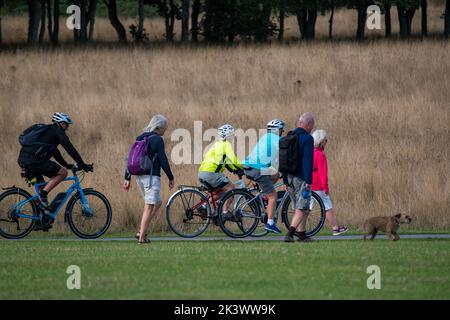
(289, 154)
(29, 140)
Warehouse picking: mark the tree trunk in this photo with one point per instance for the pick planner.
(140, 28)
(1, 6)
(409, 18)
(362, 17)
(91, 13)
(34, 20)
(447, 20)
(83, 21)
(185, 21)
(262, 31)
(282, 14)
(169, 20)
(172, 20)
(50, 20)
(301, 19)
(44, 4)
(401, 11)
(56, 12)
(194, 19)
(76, 32)
(115, 22)
(208, 20)
(330, 22)
(310, 27)
(424, 12)
(233, 15)
(387, 18)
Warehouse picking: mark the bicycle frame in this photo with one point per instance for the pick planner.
(258, 197)
(75, 187)
(209, 194)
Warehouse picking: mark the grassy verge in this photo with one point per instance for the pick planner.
(410, 269)
(218, 233)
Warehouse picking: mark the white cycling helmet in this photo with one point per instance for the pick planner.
(226, 131)
(59, 117)
(275, 124)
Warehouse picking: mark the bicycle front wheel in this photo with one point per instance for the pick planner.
(89, 221)
(16, 222)
(316, 216)
(243, 216)
(188, 213)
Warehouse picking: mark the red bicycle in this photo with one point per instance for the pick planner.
(191, 209)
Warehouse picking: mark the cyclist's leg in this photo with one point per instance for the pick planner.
(55, 179)
(265, 183)
(217, 181)
(229, 186)
(51, 170)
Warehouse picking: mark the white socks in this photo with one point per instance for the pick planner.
(270, 222)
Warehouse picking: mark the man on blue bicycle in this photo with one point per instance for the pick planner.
(261, 166)
(39, 144)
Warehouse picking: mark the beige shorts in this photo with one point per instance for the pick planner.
(150, 187)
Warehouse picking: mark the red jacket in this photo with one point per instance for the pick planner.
(320, 171)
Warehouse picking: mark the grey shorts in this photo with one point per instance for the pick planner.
(150, 187)
(214, 179)
(264, 181)
(296, 187)
(326, 200)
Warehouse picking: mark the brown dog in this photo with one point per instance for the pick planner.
(389, 225)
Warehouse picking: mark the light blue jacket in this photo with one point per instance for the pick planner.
(265, 153)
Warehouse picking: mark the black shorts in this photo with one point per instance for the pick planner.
(48, 168)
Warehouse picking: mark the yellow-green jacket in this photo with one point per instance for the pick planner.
(219, 157)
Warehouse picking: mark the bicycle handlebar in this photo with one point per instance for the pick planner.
(76, 168)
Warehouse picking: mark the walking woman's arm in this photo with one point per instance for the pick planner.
(163, 161)
(126, 182)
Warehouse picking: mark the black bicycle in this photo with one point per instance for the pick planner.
(249, 214)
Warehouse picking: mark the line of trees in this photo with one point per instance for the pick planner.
(222, 20)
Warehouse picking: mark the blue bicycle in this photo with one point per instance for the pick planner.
(88, 212)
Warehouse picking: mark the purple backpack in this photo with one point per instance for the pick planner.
(139, 163)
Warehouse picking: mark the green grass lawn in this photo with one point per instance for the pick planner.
(410, 269)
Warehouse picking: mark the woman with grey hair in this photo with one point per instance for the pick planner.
(149, 183)
(320, 179)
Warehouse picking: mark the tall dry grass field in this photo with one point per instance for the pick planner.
(385, 106)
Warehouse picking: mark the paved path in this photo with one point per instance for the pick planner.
(267, 238)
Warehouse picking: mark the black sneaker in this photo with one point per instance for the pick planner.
(44, 201)
(306, 240)
(288, 238)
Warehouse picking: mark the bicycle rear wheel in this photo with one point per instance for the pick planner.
(188, 213)
(316, 217)
(89, 222)
(246, 213)
(13, 226)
